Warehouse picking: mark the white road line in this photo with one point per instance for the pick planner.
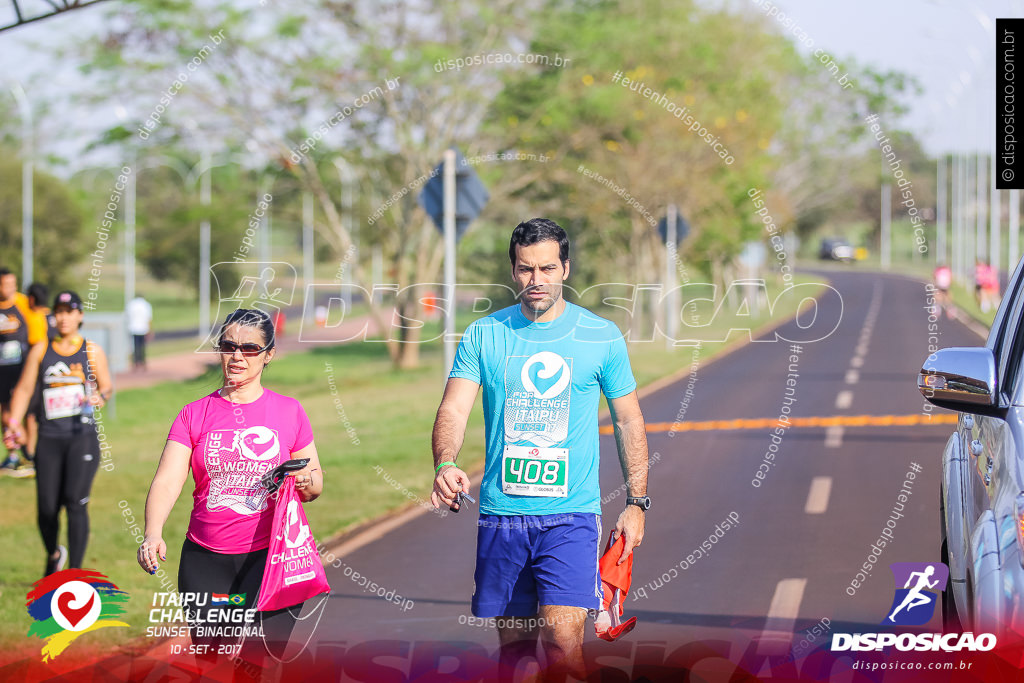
(817, 497)
(862, 349)
(852, 376)
(844, 399)
(857, 361)
(834, 436)
(782, 614)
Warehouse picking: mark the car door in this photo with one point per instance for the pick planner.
(987, 442)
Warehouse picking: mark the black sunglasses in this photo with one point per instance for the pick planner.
(249, 349)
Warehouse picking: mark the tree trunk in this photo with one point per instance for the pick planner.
(408, 346)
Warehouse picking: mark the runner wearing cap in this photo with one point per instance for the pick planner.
(543, 365)
(72, 375)
(14, 346)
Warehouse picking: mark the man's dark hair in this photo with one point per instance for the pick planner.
(5, 271)
(38, 294)
(538, 230)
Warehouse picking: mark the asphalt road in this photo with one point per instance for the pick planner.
(801, 537)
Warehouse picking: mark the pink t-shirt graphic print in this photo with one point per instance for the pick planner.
(233, 445)
(235, 460)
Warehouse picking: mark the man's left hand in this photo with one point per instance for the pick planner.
(630, 525)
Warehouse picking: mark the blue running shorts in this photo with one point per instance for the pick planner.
(526, 560)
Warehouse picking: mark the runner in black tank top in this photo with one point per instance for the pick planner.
(13, 349)
(72, 375)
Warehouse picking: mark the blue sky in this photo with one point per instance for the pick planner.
(947, 45)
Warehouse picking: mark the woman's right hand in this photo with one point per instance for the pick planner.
(13, 436)
(152, 550)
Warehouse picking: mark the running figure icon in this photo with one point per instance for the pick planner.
(915, 597)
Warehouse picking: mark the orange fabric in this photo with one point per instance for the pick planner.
(615, 581)
(35, 323)
(37, 327)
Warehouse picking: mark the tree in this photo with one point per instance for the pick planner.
(59, 236)
(303, 84)
(692, 99)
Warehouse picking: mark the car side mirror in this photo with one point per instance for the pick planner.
(962, 379)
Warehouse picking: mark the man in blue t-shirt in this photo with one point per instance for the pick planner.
(543, 365)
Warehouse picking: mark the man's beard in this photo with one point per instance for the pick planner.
(541, 306)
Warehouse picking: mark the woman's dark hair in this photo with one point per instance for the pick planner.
(39, 292)
(538, 230)
(250, 317)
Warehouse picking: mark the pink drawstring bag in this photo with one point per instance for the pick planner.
(293, 572)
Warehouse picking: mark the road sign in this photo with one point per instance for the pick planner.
(470, 195)
(682, 229)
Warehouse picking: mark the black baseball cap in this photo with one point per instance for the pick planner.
(69, 299)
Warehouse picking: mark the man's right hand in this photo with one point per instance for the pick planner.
(449, 481)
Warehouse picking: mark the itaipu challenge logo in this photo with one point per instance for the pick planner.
(71, 603)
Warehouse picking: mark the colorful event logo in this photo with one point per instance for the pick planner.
(914, 603)
(70, 603)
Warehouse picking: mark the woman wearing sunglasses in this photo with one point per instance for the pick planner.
(230, 439)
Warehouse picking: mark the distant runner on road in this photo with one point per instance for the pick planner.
(543, 364)
(140, 325)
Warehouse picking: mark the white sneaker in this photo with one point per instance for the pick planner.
(55, 564)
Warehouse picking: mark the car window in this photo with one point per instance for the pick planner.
(1007, 340)
(1003, 319)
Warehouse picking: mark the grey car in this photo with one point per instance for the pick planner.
(982, 502)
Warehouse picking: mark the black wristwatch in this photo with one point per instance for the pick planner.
(642, 502)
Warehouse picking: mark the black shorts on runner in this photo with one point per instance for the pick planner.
(205, 572)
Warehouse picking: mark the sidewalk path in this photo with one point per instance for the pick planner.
(188, 365)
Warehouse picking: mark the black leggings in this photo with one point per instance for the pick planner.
(65, 468)
(204, 571)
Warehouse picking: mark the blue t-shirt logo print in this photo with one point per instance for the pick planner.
(552, 373)
(544, 384)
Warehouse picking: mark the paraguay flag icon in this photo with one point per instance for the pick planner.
(70, 603)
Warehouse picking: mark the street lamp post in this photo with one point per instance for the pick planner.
(206, 170)
(307, 249)
(26, 184)
(348, 181)
(940, 212)
(129, 234)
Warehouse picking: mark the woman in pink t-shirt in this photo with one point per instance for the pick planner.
(230, 439)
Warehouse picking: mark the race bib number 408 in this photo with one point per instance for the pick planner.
(531, 471)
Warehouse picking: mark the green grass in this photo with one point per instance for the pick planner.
(389, 417)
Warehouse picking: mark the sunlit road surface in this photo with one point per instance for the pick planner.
(830, 481)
